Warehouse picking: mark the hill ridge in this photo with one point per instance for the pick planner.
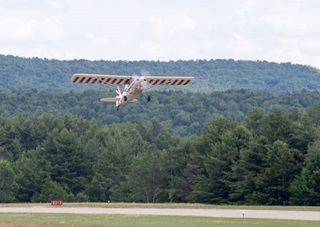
(210, 75)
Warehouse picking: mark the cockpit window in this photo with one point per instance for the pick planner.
(134, 78)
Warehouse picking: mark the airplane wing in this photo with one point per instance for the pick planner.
(100, 79)
(167, 80)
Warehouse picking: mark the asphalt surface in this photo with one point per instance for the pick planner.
(225, 213)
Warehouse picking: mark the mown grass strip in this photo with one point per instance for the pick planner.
(28, 219)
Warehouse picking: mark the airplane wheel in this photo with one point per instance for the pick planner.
(125, 98)
(118, 108)
(149, 98)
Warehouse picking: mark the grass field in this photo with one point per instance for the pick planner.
(24, 219)
(36, 219)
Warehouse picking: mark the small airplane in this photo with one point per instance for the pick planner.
(134, 85)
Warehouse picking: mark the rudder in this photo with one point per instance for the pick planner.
(118, 92)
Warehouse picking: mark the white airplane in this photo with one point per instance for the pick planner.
(134, 85)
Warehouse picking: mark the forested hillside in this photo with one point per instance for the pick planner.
(213, 75)
(270, 159)
(242, 132)
(184, 113)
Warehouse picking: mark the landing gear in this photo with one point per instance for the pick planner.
(125, 98)
(118, 107)
(148, 97)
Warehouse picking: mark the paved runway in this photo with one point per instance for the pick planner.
(230, 213)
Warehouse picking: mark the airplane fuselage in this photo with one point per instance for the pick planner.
(133, 90)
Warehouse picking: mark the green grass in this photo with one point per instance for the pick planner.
(27, 219)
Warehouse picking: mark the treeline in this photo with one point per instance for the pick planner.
(271, 158)
(185, 113)
(210, 75)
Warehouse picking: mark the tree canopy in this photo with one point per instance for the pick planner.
(255, 162)
(210, 75)
(244, 133)
(186, 114)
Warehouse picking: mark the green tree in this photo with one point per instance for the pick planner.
(180, 165)
(272, 185)
(276, 125)
(99, 189)
(67, 164)
(298, 189)
(145, 178)
(52, 190)
(251, 162)
(116, 149)
(7, 182)
(253, 120)
(30, 175)
(305, 189)
(224, 140)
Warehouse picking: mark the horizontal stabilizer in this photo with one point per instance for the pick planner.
(110, 99)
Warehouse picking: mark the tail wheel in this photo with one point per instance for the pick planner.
(149, 98)
(125, 98)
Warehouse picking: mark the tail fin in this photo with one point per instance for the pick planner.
(118, 92)
(118, 95)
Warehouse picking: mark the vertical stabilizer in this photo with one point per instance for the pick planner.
(118, 92)
(118, 95)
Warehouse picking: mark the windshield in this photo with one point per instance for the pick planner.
(135, 78)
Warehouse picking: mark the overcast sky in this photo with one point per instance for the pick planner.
(271, 30)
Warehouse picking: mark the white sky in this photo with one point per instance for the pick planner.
(271, 30)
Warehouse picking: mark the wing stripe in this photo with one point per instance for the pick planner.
(87, 81)
(82, 79)
(180, 82)
(77, 78)
(102, 80)
(175, 82)
(118, 79)
(169, 81)
(188, 81)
